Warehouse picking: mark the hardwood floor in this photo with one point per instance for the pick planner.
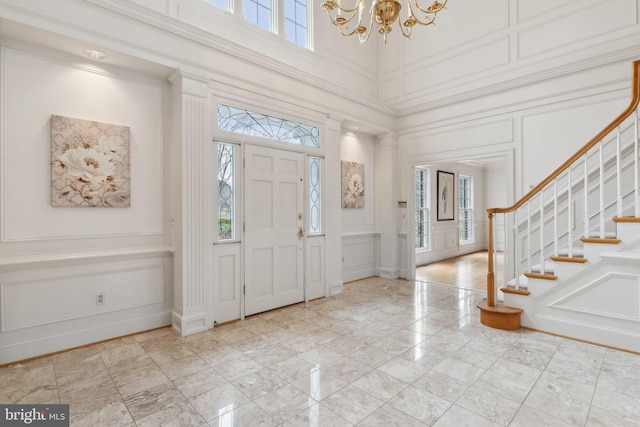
(465, 271)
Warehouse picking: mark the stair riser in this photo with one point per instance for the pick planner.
(628, 232)
(566, 270)
(592, 251)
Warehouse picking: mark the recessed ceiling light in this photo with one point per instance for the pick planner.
(95, 54)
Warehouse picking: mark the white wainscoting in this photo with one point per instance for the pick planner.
(601, 305)
(360, 255)
(49, 305)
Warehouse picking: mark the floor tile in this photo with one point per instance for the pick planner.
(420, 404)
(384, 353)
(248, 415)
(457, 416)
(218, 401)
(352, 404)
(319, 384)
(317, 415)
(285, 402)
(388, 416)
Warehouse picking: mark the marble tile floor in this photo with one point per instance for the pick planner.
(384, 353)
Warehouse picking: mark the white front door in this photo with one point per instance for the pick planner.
(274, 189)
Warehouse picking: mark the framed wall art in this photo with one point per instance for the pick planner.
(445, 196)
(352, 185)
(89, 164)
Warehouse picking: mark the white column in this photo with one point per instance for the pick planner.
(333, 209)
(191, 200)
(386, 183)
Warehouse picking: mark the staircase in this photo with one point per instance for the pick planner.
(572, 255)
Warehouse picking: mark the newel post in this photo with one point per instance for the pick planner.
(491, 298)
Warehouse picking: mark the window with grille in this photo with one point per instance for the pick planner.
(258, 12)
(226, 192)
(290, 19)
(422, 206)
(222, 4)
(465, 208)
(295, 21)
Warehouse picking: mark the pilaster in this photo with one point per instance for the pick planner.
(333, 210)
(191, 195)
(387, 191)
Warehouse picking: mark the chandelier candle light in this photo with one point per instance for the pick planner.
(385, 13)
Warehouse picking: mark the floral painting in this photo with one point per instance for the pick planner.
(352, 185)
(89, 163)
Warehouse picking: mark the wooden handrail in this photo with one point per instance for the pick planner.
(635, 99)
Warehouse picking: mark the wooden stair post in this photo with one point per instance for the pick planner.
(495, 314)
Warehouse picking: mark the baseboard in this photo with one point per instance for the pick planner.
(336, 288)
(389, 273)
(68, 340)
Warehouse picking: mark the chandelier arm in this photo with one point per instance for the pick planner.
(430, 10)
(405, 30)
(363, 37)
(344, 20)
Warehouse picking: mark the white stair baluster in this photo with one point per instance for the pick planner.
(528, 236)
(601, 192)
(542, 269)
(569, 214)
(555, 217)
(586, 196)
(618, 175)
(516, 250)
(636, 140)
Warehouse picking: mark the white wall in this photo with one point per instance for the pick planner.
(528, 82)
(53, 260)
(360, 239)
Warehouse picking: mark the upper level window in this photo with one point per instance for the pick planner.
(296, 21)
(465, 208)
(222, 4)
(290, 19)
(239, 120)
(258, 12)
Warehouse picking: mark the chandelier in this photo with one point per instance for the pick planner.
(349, 18)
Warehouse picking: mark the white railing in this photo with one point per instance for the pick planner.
(601, 181)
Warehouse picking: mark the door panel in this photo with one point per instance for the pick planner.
(273, 217)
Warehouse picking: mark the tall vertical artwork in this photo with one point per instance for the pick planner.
(445, 196)
(352, 185)
(89, 163)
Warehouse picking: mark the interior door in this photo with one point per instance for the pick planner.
(274, 189)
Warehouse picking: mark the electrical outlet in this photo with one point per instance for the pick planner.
(100, 298)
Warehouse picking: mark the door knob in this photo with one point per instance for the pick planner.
(300, 233)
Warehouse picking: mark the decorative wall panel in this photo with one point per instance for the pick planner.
(48, 299)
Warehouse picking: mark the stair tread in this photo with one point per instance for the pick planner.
(566, 258)
(545, 276)
(626, 219)
(606, 240)
(523, 290)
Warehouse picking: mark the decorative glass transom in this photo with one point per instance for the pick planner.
(239, 120)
